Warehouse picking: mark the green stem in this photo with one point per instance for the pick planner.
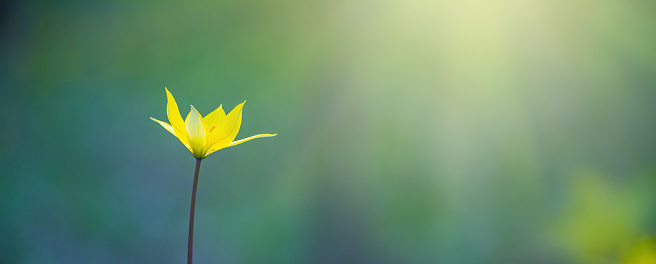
(190, 242)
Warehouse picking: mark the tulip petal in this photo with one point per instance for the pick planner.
(227, 127)
(194, 124)
(234, 143)
(196, 132)
(173, 113)
(231, 124)
(217, 114)
(175, 132)
(165, 125)
(211, 119)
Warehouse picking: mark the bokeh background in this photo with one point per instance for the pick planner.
(505, 131)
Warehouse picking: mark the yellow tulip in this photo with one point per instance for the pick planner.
(205, 135)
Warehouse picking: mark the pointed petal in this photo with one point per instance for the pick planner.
(194, 124)
(196, 131)
(175, 132)
(165, 125)
(217, 114)
(226, 131)
(218, 142)
(173, 113)
(234, 143)
(210, 120)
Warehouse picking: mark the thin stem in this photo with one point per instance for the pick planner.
(190, 242)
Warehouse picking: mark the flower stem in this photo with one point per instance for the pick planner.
(190, 242)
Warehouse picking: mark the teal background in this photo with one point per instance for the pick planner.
(408, 131)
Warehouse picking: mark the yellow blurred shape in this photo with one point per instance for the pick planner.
(601, 219)
(643, 253)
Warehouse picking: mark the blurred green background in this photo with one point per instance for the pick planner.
(414, 131)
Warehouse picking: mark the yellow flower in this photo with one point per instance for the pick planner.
(205, 135)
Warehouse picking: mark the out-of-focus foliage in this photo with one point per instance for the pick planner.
(408, 131)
